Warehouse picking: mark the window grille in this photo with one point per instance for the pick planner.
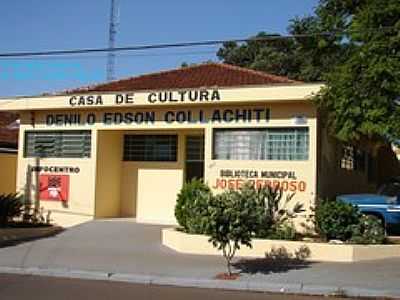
(194, 148)
(261, 144)
(58, 144)
(150, 147)
(353, 159)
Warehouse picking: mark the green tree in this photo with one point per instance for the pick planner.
(352, 45)
(233, 218)
(361, 98)
(307, 57)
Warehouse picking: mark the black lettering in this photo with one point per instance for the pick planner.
(150, 116)
(152, 98)
(228, 115)
(107, 118)
(72, 101)
(258, 112)
(49, 120)
(169, 117)
(163, 96)
(129, 118)
(129, 99)
(181, 117)
(91, 119)
(216, 116)
(182, 94)
(193, 95)
(119, 99)
(99, 100)
(215, 95)
(204, 95)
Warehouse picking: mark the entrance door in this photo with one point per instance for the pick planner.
(194, 160)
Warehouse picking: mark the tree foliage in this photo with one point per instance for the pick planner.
(232, 220)
(192, 206)
(351, 45)
(277, 216)
(361, 97)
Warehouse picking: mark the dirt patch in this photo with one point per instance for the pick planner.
(226, 276)
(14, 235)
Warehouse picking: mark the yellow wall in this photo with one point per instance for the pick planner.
(281, 116)
(8, 173)
(333, 180)
(81, 204)
(108, 174)
(148, 189)
(231, 95)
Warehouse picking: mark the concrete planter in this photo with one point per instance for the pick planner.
(198, 244)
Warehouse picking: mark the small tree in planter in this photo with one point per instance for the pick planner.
(233, 217)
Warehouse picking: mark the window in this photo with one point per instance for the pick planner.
(194, 167)
(195, 148)
(150, 147)
(353, 159)
(261, 144)
(58, 144)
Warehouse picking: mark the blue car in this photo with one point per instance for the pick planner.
(385, 205)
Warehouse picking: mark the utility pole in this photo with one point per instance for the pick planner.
(114, 16)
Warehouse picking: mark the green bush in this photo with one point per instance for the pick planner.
(369, 230)
(192, 206)
(285, 231)
(335, 219)
(276, 220)
(232, 219)
(11, 206)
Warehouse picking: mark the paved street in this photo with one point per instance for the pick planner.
(123, 246)
(22, 287)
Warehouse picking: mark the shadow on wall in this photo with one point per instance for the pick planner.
(278, 260)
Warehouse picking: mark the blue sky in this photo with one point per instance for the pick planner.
(33, 25)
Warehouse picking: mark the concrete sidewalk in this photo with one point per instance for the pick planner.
(123, 250)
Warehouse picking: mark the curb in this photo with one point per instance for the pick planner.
(247, 285)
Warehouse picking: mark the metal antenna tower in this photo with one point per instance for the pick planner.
(114, 17)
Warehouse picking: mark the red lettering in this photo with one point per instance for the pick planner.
(302, 186)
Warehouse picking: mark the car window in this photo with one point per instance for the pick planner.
(390, 189)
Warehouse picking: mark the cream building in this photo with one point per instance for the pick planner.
(124, 148)
(8, 152)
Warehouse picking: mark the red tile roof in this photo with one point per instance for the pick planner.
(198, 76)
(8, 136)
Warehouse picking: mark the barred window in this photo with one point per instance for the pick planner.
(353, 158)
(261, 144)
(150, 147)
(58, 144)
(194, 148)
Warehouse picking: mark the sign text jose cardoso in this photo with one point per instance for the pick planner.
(148, 117)
(235, 178)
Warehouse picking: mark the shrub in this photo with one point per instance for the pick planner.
(233, 218)
(192, 206)
(369, 230)
(11, 206)
(277, 218)
(286, 231)
(335, 219)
